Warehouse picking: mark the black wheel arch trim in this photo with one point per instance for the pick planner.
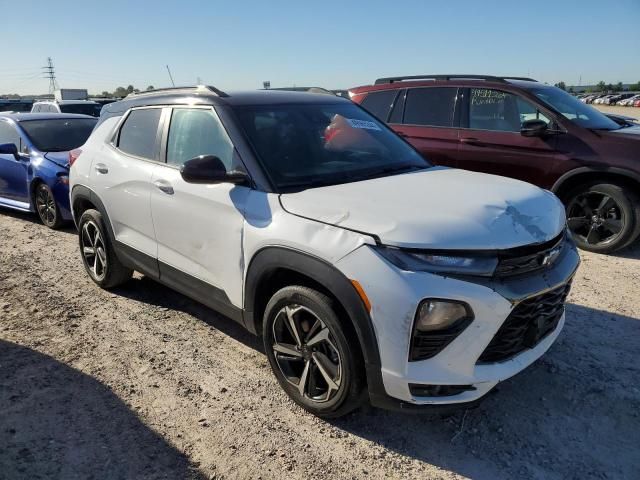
(271, 258)
(560, 182)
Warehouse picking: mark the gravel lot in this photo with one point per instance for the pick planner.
(144, 383)
(633, 112)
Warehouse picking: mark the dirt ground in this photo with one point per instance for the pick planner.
(144, 383)
(633, 112)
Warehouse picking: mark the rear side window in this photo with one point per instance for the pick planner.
(379, 103)
(195, 132)
(431, 106)
(139, 132)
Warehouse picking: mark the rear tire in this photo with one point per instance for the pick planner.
(46, 206)
(99, 259)
(319, 352)
(603, 217)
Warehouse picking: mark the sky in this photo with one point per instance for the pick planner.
(100, 45)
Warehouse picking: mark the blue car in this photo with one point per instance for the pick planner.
(34, 162)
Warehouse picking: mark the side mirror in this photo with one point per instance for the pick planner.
(9, 149)
(533, 128)
(209, 169)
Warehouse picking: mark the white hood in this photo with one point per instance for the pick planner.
(439, 208)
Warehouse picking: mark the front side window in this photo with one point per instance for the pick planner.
(58, 134)
(573, 109)
(500, 111)
(431, 106)
(8, 134)
(379, 103)
(309, 145)
(139, 132)
(195, 132)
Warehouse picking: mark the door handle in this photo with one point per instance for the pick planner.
(164, 186)
(101, 168)
(472, 141)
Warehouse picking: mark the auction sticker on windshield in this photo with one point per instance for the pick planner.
(363, 124)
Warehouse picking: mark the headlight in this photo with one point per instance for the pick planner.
(416, 261)
(439, 314)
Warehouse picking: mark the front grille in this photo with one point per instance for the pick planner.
(528, 323)
(527, 259)
(419, 390)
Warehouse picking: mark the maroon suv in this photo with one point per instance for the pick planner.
(523, 129)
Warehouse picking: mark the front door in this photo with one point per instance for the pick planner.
(492, 143)
(199, 227)
(14, 185)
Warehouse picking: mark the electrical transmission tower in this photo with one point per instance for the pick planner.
(50, 73)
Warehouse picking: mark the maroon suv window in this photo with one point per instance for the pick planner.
(431, 106)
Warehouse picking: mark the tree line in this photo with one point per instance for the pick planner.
(601, 87)
(121, 92)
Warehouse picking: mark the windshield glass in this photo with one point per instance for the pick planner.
(573, 109)
(92, 109)
(58, 135)
(311, 145)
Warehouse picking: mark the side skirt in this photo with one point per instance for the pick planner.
(15, 205)
(194, 288)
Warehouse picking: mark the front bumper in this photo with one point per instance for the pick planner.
(395, 295)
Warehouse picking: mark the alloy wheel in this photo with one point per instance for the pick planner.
(306, 353)
(46, 206)
(596, 218)
(93, 250)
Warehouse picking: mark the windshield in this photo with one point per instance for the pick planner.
(573, 109)
(58, 135)
(92, 109)
(303, 146)
(15, 107)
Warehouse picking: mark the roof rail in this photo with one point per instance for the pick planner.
(490, 78)
(211, 88)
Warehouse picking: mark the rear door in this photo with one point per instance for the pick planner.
(490, 139)
(14, 185)
(121, 176)
(426, 117)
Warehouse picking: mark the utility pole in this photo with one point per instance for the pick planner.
(170, 77)
(50, 73)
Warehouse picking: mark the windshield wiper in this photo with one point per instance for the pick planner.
(391, 169)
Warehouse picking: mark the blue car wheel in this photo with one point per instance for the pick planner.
(46, 206)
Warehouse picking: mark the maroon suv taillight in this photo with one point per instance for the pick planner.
(73, 155)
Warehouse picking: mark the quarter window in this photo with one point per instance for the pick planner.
(195, 132)
(431, 106)
(500, 111)
(379, 103)
(139, 132)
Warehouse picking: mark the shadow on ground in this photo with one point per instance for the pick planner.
(146, 290)
(68, 227)
(57, 422)
(570, 415)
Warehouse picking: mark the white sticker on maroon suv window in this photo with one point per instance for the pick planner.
(366, 124)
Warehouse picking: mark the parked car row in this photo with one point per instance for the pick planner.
(622, 99)
(334, 229)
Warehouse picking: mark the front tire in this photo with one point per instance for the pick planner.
(98, 256)
(310, 352)
(46, 206)
(603, 217)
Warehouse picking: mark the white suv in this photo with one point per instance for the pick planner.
(368, 272)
